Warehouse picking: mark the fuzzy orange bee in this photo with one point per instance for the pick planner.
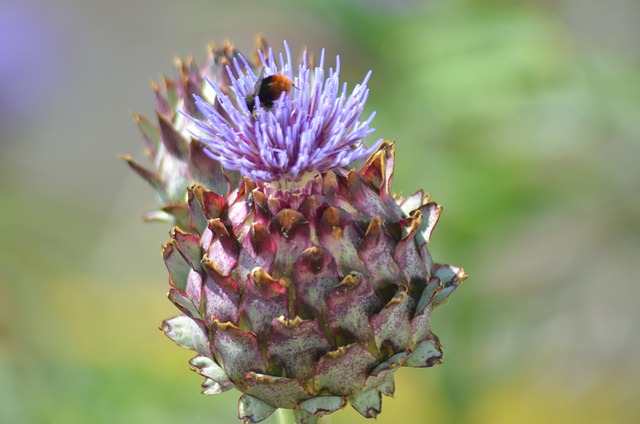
(268, 90)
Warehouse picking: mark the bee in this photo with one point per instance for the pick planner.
(268, 90)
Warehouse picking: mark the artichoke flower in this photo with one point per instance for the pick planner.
(302, 282)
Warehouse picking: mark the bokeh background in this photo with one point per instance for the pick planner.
(521, 118)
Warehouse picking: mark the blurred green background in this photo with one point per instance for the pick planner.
(521, 118)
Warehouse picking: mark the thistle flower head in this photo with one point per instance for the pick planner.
(312, 128)
(301, 282)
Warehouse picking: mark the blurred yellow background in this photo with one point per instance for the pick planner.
(521, 118)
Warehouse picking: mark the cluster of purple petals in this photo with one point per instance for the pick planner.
(314, 128)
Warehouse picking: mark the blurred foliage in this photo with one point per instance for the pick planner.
(525, 132)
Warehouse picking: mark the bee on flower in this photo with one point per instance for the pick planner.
(268, 90)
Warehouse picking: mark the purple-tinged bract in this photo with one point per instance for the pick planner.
(312, 128)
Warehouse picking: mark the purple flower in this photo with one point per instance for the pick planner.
(312, 128)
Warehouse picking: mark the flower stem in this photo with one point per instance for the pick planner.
(285, 416)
